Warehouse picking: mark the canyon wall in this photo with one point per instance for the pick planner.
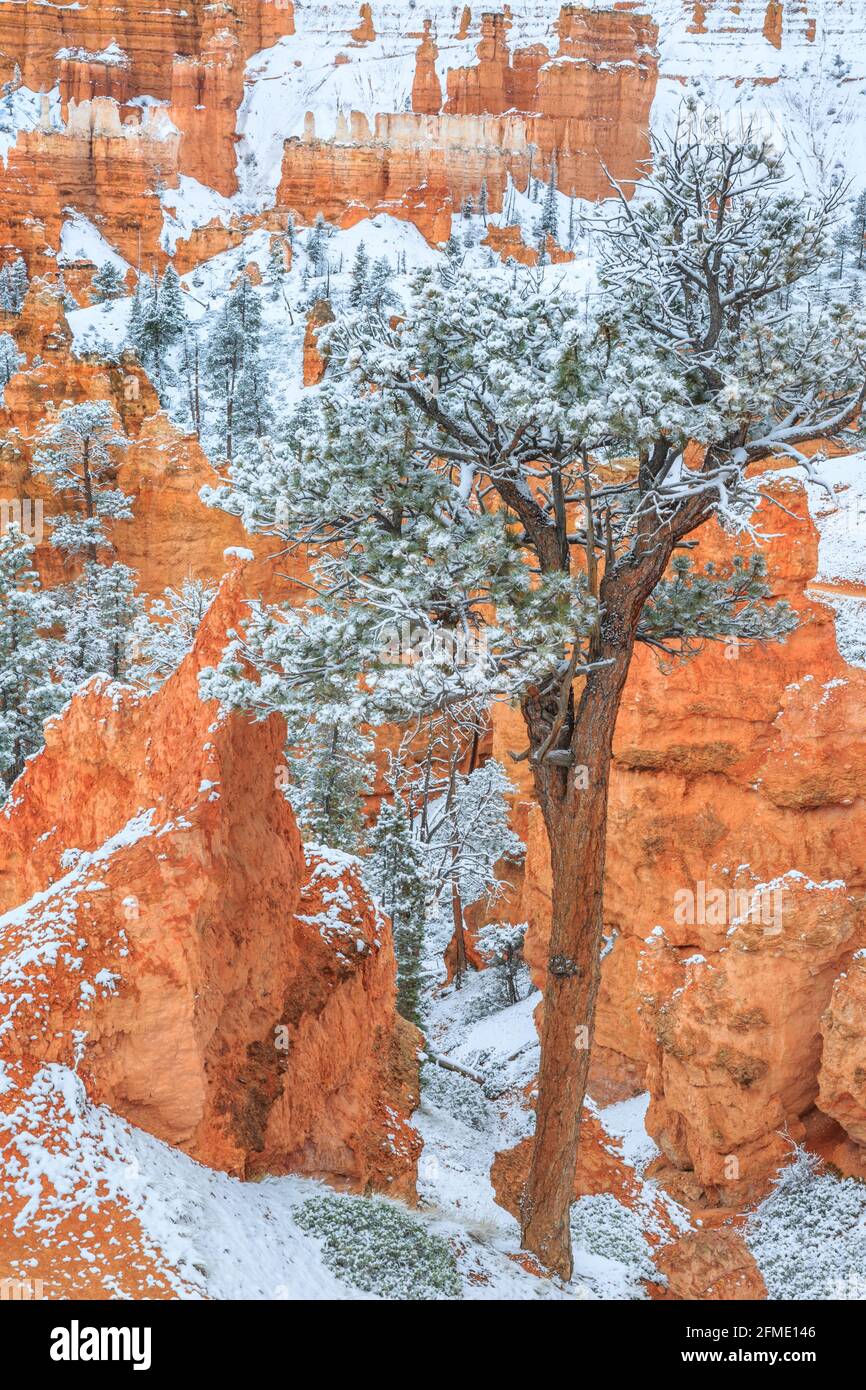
(166, 936)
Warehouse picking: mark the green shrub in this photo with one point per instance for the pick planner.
(376, 1246)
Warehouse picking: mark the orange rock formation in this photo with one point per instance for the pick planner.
(711, 1266)
(206, 982)
(589, 102)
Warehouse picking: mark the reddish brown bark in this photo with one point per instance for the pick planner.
(573, 801)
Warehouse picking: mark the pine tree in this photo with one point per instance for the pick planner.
(453, 260)
(317, 245)
(548, 223)
(10, 358)
(107, 284)
(329, 772)
(502, 943)
(79, 456)
(14, 285)
(395, 874)
(163, 637)
(28, 694)
(479, 422)
(483, 201)
(858, 230)
(276, 273)
(360, 270)
(98, 612)
(20, 283)
(233, 359)
(170, 311)
(140, 328)
(380, 294)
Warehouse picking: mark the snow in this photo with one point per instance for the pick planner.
(836, 494)
(809, 1236)
(110, 56)
(191, 205)
(81, 241)
(464, 1125)
(22, 110)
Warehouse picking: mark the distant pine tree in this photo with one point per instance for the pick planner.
(380, 293)
(858, 231)
(360, 270)
(14, 285)
(10, 358)
(396, 875)
(233, 359)
(329, 773)
(28, 694)
(79, 456)
(108, 284)
(98, 611)
(548, 222)
(170, 310)
(163, 637)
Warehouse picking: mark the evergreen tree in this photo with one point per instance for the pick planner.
(329, 772)
(548, 223)
(395, 874)
(79, 457)
(317, 245)
(20, 283)
(164, 636)
(98, 611)
(380, 294)
(28, 695)
(142, 315)
(456, 452)
(233, 360)
(14, 285)
(276, 273)
(857, 231)
(360, 271)
(170, 311)
(10, 358)
(502, 943)
(107, 284)
(454, 256)
(483, 201)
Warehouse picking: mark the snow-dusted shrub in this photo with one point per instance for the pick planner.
(459, 1097)
(809, 1236)
(380, 1248)
(612, 1236)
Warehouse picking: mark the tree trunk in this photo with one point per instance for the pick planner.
(576, 819)
(457, 917)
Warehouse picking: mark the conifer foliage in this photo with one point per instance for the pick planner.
(28, 657)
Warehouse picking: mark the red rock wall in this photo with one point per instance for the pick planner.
(214, 995)
(590, 102)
